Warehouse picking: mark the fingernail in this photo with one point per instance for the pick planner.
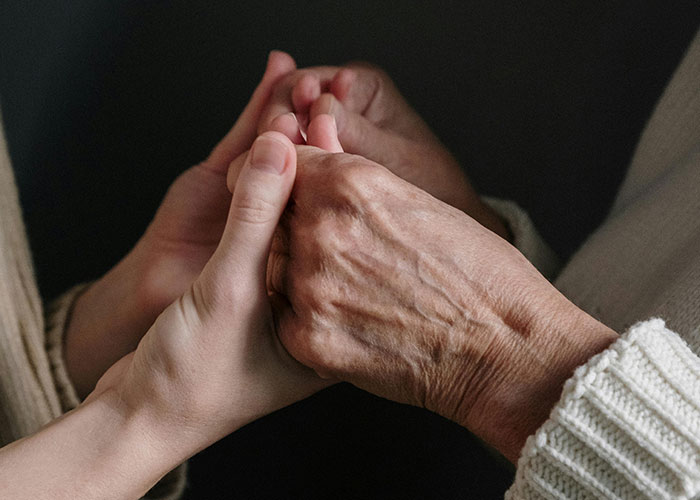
(335, 115)
(331, 106)
(269, 155)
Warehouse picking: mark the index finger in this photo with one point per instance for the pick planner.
(294, 94)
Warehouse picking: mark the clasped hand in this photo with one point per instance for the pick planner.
(392, 277)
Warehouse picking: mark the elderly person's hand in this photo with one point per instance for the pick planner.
(392, 290)
(375, 121)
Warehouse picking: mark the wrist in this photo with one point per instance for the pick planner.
(522, 375)
(114, 453)
(108, 320)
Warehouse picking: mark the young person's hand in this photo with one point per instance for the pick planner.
(375, 121)
(212, 360)
(113, 314)
(210, 364)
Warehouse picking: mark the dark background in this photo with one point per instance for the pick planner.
(106, 102)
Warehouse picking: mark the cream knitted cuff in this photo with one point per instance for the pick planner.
(627, 426)
(525, 237)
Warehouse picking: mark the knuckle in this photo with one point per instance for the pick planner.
(325, 235)
(253, 210)
(356, 173)
(309, 159)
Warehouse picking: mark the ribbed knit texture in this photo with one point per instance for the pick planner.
(627, 426)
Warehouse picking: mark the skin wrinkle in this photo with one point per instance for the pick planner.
(430, 358)
(413, 300)
(380, 225)
(365, 265)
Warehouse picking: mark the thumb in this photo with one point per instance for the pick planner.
(260, 196)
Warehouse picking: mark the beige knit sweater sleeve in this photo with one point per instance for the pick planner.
(34, 384)
(627, 425)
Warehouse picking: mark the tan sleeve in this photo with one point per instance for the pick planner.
(525, 236)
(57, 319)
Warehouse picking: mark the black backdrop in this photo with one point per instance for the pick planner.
(106, 102)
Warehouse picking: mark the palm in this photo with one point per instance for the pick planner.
(188, 225)
(186, 230)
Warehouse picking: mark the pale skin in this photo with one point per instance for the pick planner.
(396, 291)
(211, 361)
(373, 281)
(210, 364)
(110, 318)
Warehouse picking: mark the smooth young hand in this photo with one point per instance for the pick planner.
(212, 361)
(210, 364)
(113, 314)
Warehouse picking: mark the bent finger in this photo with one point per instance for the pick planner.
(357, 134)
(323, 134)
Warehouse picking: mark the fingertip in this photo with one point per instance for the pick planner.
(279, 63)
(305, 92)
(273, 152)
(342, 83)
(288, 125)
(326, 104)
(323, 133)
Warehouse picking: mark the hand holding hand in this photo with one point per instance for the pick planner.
(110, 318)
(402, 295)
(375, 121)
(211, 362)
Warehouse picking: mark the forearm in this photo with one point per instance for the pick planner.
(100, 450)
(108, 320)
(505, 392)
(550, 349)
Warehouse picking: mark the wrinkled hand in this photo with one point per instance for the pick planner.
(405, 296)
(375, 121)
(212, 362)
(110, 318)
